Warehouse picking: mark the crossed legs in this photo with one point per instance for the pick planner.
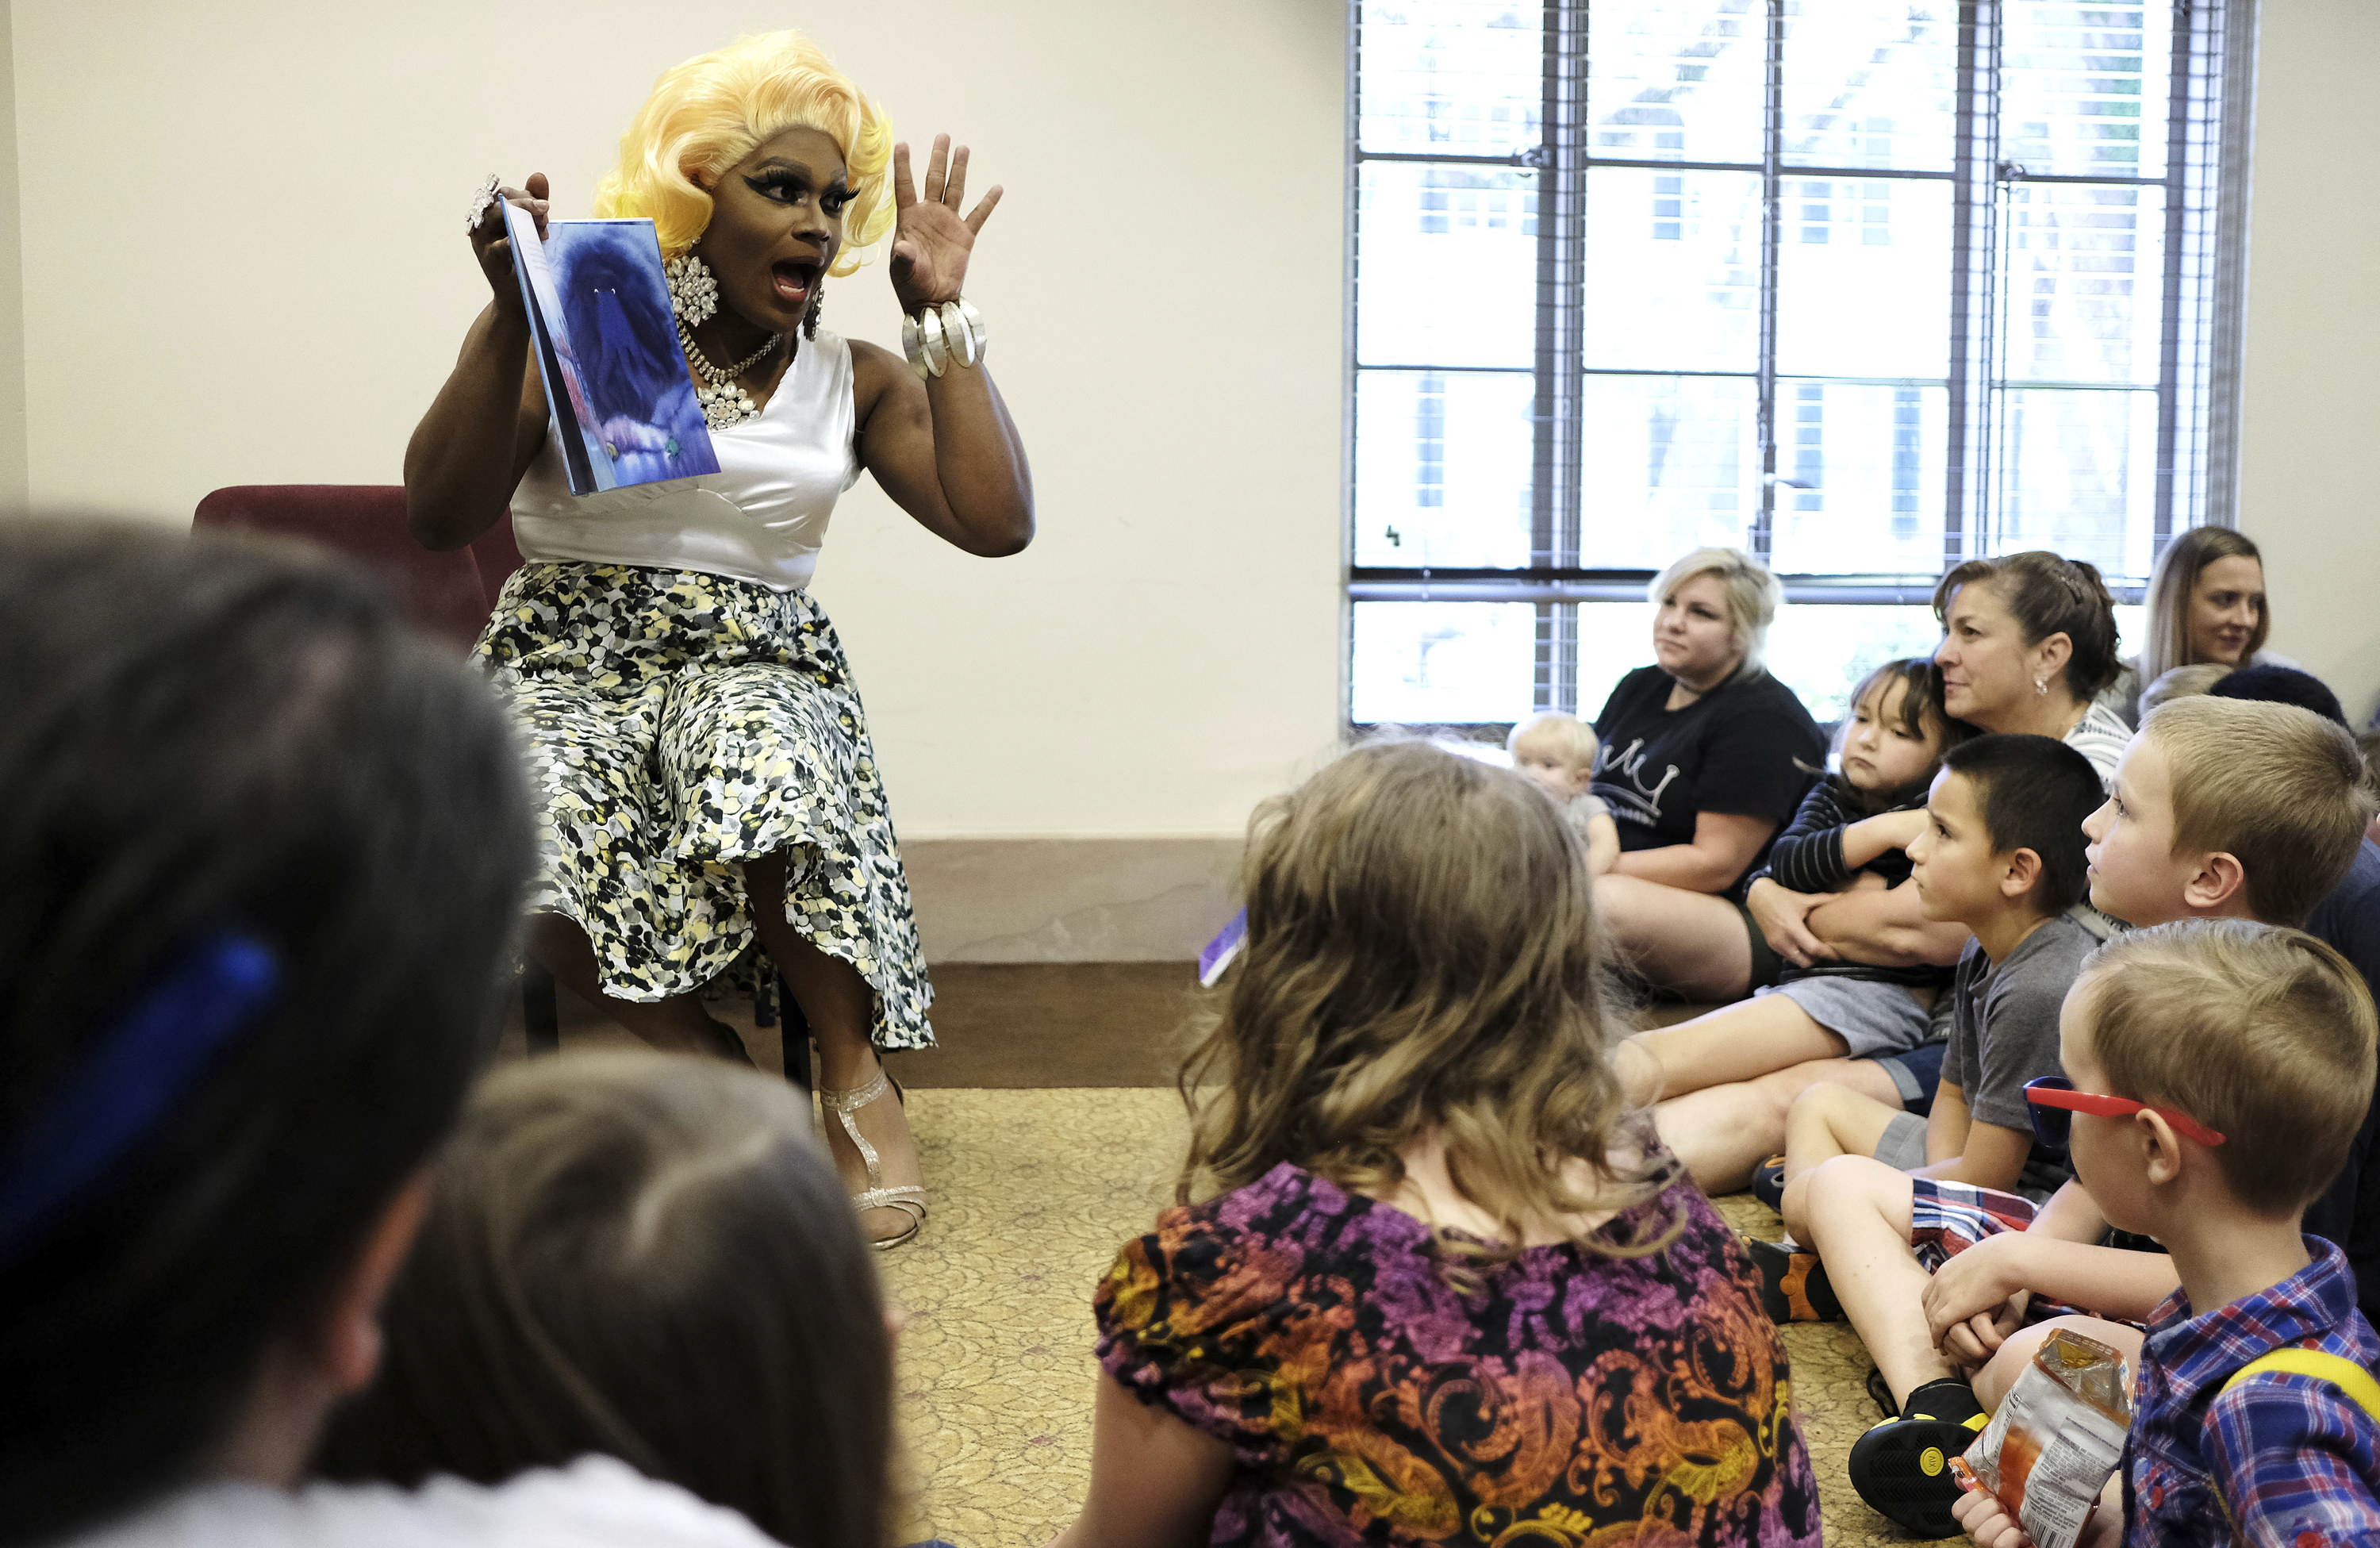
(1688, 943)
(835, 999)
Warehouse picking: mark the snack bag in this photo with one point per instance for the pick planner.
(2058, 1434)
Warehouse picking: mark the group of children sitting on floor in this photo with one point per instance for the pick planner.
(2124, 1125)
(1433, 1274)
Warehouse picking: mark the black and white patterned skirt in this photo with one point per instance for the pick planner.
(677, 725)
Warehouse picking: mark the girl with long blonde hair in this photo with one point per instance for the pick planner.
(1433, 1251)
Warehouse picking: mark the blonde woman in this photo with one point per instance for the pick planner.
(2207, 606)
(700, 757)
(1704, 758)
(1445, 1282)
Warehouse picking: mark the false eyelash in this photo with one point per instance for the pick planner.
(837, 199)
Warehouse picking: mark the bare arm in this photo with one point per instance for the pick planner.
(488, 422)
(1723, 847)
(1155, 1481)
(1602, 845)
(1885, 928)
(1990, 1157)
(944, 448)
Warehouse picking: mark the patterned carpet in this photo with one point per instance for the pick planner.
(1033, 1193)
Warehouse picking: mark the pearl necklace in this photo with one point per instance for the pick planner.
(723, 402)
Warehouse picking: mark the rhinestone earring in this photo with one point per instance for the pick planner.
(694, 294)
(2041, 687)
(809, 318)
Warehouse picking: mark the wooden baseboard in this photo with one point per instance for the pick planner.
(1069, 899)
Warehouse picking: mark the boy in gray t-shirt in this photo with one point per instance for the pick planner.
(2002, 853)
(2004, 1033)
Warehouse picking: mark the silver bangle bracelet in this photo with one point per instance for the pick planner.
(939, 337)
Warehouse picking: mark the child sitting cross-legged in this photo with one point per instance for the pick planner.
(2215, 1072)
(1438, 1282)
(1557, 751)
(2220, 809)
(2001, 854)
(1724, 1079)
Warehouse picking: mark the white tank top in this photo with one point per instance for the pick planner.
(760, 518)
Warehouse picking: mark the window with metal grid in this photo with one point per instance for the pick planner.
(1863, 286)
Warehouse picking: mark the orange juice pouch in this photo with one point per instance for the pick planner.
(2059, 1434)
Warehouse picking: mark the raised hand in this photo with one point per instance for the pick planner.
(493, 248)
(931, 239)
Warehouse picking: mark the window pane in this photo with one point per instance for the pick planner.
(1863, 277)
(2078, 474)
(1614, 639)
(1424, 662)
(1672, 270)
(1674, 80)
(1821, 651)
(1446, 266)
(1670, 463)
(1443, 468)
(2084, 86)
(1871, 83)
(2084, 276)
(1866, 476)
(1464, 76)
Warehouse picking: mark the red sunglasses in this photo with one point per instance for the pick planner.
(2055, 1099)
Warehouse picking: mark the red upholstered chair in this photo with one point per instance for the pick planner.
(449, 595)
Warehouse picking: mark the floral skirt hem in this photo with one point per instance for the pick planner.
(677, 723)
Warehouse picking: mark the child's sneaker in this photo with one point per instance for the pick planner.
(1902, 1466)
(1793, 1285)
(1768, 1183)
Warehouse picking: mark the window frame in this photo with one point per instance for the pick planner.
(2212, 67)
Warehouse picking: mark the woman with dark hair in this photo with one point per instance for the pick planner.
(262, 858)
(646, 1256)
(2207, 606)
(2027, 641)
(709, 795)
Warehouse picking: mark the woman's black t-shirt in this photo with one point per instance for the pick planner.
(1747, 749)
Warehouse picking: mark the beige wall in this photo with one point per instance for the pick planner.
(240, 263)
(2309, 489)
(12, 290)
(244, 226)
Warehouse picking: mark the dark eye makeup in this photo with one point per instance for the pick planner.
(787, 188)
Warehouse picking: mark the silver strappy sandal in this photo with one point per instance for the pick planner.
(908, 1198)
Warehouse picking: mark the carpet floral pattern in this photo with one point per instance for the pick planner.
(1033, 1193)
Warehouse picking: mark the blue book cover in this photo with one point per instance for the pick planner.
(615, 377)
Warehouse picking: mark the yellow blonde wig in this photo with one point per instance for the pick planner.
(711, 112)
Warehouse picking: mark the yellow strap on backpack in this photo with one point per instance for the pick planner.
(2337, 1370)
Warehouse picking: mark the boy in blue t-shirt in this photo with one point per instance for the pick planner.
(2215, 1073)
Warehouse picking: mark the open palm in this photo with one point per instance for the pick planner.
(931, 238)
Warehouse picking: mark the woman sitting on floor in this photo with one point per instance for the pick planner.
(1704, 757)
(1442, 1254)
(1851, 830)
(648, 1258)
(2027, 639)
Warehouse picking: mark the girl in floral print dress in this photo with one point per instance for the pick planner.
(1443, 1285)
(702, 767)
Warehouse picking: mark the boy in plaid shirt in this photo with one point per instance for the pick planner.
(2216, 1071)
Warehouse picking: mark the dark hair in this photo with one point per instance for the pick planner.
(650, 1257)
(1922, 681)
(2047, 594)
(205, 737)
(2034, 792)
(2281, 684)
